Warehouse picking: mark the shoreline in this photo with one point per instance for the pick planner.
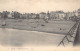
(39, 31)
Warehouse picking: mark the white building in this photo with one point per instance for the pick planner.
(10, 16)
(33, 16)
(62, 16)
(57, 15)
(54, 15)
(42, 15)
(69, 15)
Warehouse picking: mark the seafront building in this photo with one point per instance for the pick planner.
(58, 15)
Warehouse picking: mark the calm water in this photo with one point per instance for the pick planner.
(13, 37)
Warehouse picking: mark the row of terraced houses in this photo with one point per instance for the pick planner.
(58, 15)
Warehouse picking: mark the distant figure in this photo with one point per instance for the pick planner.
(60, 29)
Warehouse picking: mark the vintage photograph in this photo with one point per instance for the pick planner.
(39, 23)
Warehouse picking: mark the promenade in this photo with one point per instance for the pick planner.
(77, 38)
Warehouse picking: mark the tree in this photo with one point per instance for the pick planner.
(5, 14)
(16, 15)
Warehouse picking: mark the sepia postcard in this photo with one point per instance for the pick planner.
(39, 25)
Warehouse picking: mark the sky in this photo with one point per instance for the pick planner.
(35, 6)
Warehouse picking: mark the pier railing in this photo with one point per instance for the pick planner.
(70, 36)
(76, 40)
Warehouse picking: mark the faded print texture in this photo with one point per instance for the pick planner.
(39, 33)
